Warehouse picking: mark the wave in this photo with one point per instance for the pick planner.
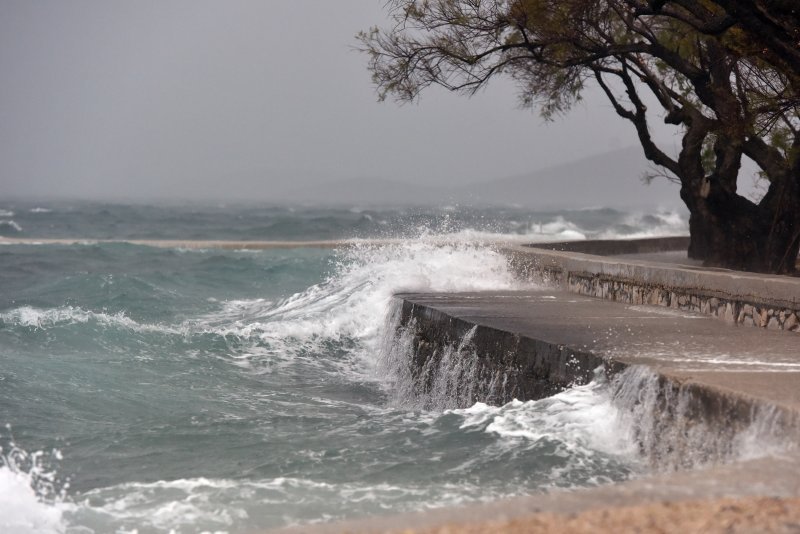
(344, 312)
(552, 437)
(640, 226)
(350, 304)
(194, 503)
(575, 226)
(38, 318)
(10, 224)
(582, 417)
(281, 501)
(33, 500)
(227, 504)
(6, 213)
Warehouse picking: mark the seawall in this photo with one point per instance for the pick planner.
(654, 272)
(696, 387)
(698, 391)
(713, 405)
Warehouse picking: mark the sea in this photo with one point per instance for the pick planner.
(155, 389)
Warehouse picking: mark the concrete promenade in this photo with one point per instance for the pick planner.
(690, 347)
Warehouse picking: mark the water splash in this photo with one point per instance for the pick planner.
(422, 376)
(584, 417)
(673, 425)
(682, 426)
(348, 306)
(32, 498)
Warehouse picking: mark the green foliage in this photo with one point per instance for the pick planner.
(713, 84)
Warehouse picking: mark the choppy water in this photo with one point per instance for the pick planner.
(155, 389)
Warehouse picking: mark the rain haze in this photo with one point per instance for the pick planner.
(205, 100)
(220, 257)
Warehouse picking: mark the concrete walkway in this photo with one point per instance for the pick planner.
(689, 347)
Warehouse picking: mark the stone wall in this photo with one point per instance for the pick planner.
(729, 308)
(748, 299)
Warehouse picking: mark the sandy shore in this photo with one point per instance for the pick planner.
(752, 515)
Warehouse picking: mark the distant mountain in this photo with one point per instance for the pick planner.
(612, 179)
(369, 191)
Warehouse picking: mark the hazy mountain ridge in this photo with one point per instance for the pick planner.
(606, 179)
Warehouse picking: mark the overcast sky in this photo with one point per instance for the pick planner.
(201, 99)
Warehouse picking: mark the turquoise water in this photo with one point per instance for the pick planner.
(163, 389)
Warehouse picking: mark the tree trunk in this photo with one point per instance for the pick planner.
(727, 230)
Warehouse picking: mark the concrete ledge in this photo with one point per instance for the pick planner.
(615, 247)
(737, 297)
(706, 384)
(702, 394)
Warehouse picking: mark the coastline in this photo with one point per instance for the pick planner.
(723, 380)
(723, 424)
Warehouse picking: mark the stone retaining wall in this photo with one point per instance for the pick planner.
(747, 299)
(731, 308)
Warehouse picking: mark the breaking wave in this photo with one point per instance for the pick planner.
(352, 301)
(9, 225)
(32, 499)
(346, 308)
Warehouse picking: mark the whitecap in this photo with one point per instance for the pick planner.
(659, 224)
(42, 318)
(30, 499)
(10, 224)
(582, 417)
(349, 305)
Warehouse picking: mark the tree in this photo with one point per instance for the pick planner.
(772, 27)
(704, 65)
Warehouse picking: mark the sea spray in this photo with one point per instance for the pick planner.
(681, 426)
(582, 416)
(32, 498)
(426, 376)
(672, 424)
(348, 305)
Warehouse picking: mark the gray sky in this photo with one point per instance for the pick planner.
(198, 98)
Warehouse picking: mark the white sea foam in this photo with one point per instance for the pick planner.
(6, 213)
(39, 210)
(558, 229)
(30, 499)
(659, 224)
(31, 317)
(349, 306)
(633, 226)
(582, 417)
(203, 504)
(10, 223)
